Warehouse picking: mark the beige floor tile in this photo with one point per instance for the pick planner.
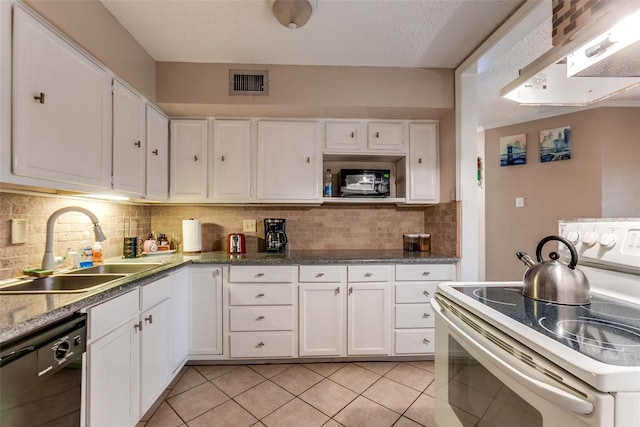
(431, 390)
(406, 422)
(364, 413)
(258, 424)
(263, 399)
(164, 416)
(190, 379)
(297, 379)
(229, 414)
(427, 365)
(328, 396)
(214, 371)
(355, 378)
(392, 395)
(332, 423)
(411, 376)
(324, 369)
(271, 370)
(154, 407)
(238, 381)
(197, 401)
(379, 368)
(177, 378)
(295, 413)
(422, 411)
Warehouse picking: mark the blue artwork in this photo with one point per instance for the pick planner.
(555, 144)
(513, 150)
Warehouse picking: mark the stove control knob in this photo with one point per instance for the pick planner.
(590, 238)
(61, 350)
(608, 240)
(573, 236)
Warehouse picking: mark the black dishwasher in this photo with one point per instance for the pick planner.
(41, 376)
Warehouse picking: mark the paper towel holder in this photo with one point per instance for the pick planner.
(191, 236)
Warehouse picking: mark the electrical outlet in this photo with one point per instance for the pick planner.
(519, 202)
(249, 225)
(18, 231)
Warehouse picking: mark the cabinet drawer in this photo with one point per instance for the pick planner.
(321, 273)
(275, 318)
(261, 345)
(426, 272)
(369, 273)
(415, 292)
(261, 295)
(420, 341)
(414, 316)
(261, 274)
(106, 316)
(153, 293)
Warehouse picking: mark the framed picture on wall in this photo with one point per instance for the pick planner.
(555, 144)
(513, 150)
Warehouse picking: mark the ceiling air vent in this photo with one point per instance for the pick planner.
(248, 82)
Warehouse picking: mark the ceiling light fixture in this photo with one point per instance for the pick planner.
(293, 13)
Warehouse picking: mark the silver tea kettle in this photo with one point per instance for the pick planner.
(552, 280)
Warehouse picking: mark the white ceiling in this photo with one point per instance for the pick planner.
(389, 33)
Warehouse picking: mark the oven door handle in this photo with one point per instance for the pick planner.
(540, 388)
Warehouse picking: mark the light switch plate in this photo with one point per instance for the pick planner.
(18, 231)
(249, 225)
(519, 202)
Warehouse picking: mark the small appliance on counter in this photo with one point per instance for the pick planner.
(275, 238)
(236, 243)
(416, 242)
(365, 182)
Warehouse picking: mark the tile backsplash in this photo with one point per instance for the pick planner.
(308, 228)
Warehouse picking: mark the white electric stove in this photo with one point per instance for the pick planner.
(505, 359)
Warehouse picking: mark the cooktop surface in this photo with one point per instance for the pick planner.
(606, 330)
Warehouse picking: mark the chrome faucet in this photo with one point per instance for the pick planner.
(48, 261)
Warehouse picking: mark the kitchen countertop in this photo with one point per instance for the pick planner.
(24, 313)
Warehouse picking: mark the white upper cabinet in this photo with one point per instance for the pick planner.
(157, 155)
(129, 141)
(61, 111)
(188, 174)
(289, 161)
(423, 166)
(344, 136)
(231, 161)
(385, 136)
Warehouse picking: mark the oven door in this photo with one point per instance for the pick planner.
(484, 377)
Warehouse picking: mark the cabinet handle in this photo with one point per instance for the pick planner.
(368, 274)
(426, 294)
(426, 315)
(215, 273)
(138, 326)
(337, 290)
(319, 274)
(259, 318)
(149, 318)
(259, 295)
(425, 341)
(420, 160)
(39, 97)
(222, 158)
(353, 134)
(195, 158)
(308, 159)
(260, 275)
(155, 151)
(377, 135)
(350, 290)
(426, 273)
(260, 344)
(138, 144)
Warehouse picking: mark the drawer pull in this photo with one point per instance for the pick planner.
(39, 98)
(426, 315)
(260, 275)
(259, 318)
(426, 273)
(138, 326)
(319, 274)
(368, 274)
(260, 345)
(337, 290)
(425, 341)
(259, 295)
(426, 294)
(149, 318)
(350, 290)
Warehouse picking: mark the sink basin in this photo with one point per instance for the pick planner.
(115, 269)
(59, 284)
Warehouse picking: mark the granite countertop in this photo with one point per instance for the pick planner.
(24, 313)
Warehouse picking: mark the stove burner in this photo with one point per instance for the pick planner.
(506, 298)
(612, 309)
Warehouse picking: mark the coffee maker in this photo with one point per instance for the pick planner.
(275, 238)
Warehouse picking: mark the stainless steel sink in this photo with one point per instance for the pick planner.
(59, 284)
(115, 269)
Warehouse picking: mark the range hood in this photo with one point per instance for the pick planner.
(600, 60)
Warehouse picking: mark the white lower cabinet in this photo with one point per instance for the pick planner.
(205, 310)
(179, 320)
(368, 318)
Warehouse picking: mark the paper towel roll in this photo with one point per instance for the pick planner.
(191, 235)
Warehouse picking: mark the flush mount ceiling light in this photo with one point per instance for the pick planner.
(293, 13)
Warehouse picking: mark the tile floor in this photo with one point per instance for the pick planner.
(371, 394)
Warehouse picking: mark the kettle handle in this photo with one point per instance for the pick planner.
(553, 255)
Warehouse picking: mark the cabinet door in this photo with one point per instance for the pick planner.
(129, 141)
(231, 160)
(179, 323)
(154, 354)
(188, 176)
(322, 324)
(112, 370)
(385, 137)
(343, 136)
(61, 110)
(368, 318)
(157, 155)
(205, 310)
(289, 161)
(424, 170)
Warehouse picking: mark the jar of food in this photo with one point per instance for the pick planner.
(411, 242)
(425, 242)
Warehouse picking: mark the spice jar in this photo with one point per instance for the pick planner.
(425, 242)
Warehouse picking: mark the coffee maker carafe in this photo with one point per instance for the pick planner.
(275, 238)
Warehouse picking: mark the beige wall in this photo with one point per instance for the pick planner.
(89, 24)
(601, 179)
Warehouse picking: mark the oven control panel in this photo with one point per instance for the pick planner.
(605, 242)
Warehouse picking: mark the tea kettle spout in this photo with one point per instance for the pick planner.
(526, 259)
